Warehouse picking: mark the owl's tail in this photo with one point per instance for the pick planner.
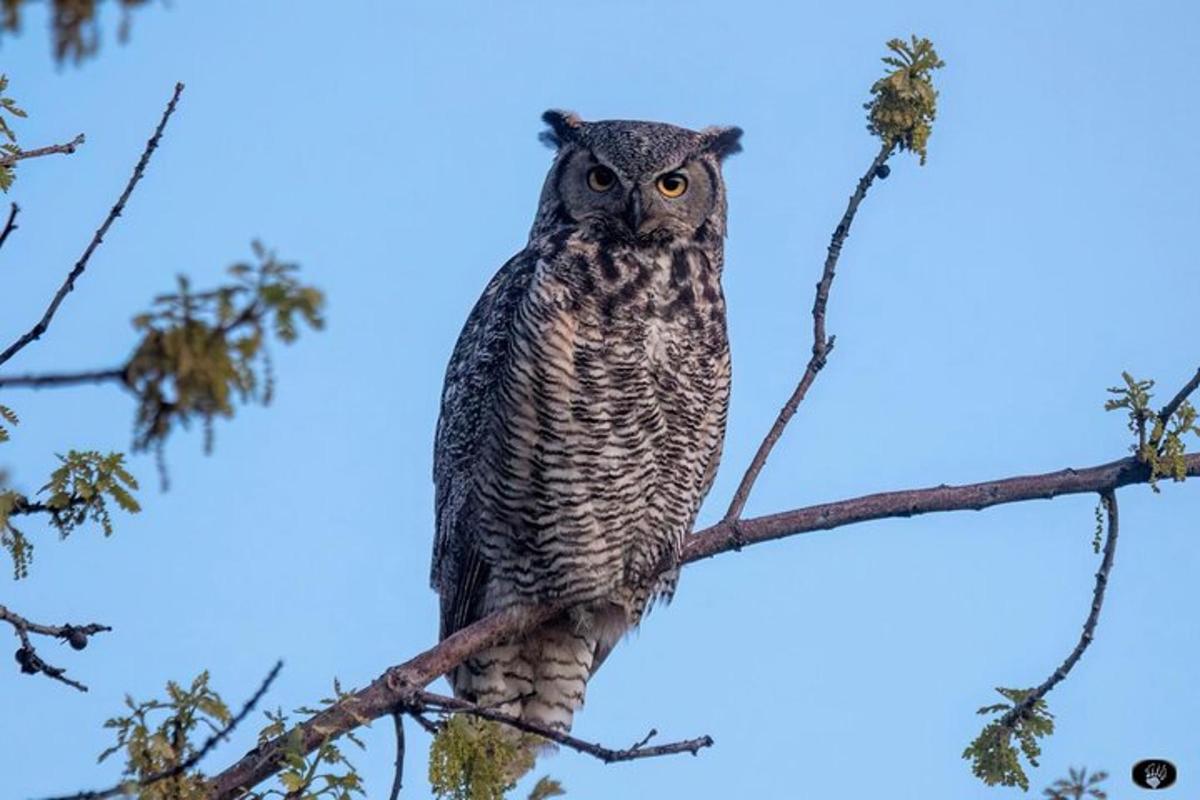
(541, 679)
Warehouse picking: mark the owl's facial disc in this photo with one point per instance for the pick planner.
(646, 199)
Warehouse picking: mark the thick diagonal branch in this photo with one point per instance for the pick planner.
(391, 688)
(42, 324)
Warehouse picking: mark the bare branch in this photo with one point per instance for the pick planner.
(391, 688)
(67, 148)
(725, 536)
(1109, 498)
(398, 779)
(40, 328)
(129, 787)
(23, 507)
(60, 379)
(1167, 411)
(822, 345)
(11, 224)
(430, 726)
(27, 655)
(422, 701)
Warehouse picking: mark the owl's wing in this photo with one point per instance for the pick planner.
(458, 573)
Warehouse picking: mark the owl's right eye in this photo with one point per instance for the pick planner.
(601, 179)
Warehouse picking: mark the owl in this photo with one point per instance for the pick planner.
(584, 408)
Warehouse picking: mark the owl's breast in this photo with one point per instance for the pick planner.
(609, 420)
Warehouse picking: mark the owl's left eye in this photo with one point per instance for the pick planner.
(673, 184)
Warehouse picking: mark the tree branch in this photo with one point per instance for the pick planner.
(425, 701)
(722, 537)
(56, 380)
(40, 328)
(128, 787)
(1019, 710)
(67, 148)
(59, 379)
(391, 688)
(822, 345)
(11, 224)
(398, 777)
(23, 507)
(27, 655)
(1167, 411)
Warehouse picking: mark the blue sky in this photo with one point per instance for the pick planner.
(984, 303)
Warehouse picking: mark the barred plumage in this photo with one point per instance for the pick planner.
(584, 408)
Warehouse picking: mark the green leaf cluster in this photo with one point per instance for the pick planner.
(74, 25)
(1078, 786)
(994, 758)
(1160, 442)
(8, 148)
(324, 773)
(78, 490)
(904, 102)
(9, 416)
(12, 540)
(157, 736)
(201, 351)
(546, 787)
(81, 486)
(477, 759)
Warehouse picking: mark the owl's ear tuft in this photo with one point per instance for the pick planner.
(564, 127)
(722, 142)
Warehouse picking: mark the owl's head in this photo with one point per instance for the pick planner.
(638, 181)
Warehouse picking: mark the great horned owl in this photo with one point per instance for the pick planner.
(584, 408)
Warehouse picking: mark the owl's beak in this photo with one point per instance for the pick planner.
(633, 211)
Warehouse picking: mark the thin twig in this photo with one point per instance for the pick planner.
(32, 663)
(822, 344)
(67, 148)
(398, 778)
(1167, 411)
(653, 732)
(427, 700)
(430, 726)
(40, 328)
(11, 225)
(398, 682)
(124, 787)
(60, 379)
(1021, 709)
(23, 507)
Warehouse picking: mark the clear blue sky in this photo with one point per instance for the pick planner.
(984, 303)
